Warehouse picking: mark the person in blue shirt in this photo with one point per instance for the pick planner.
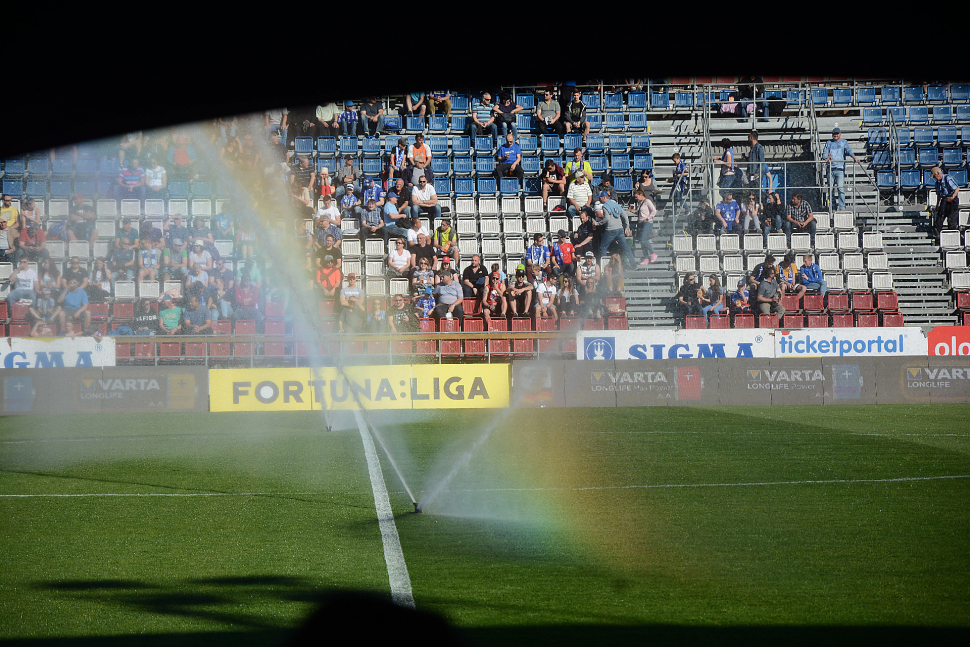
(947, 201)
(835, 151)
(726, 213)
(728, 179)
(538, 253)
(509, 160)
(811, 275)
(426, 303)
(678, 192)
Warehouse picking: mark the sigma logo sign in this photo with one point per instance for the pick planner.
(675, 344)
(600, 348)
(57, 352)
(788, 379)
(680, 382)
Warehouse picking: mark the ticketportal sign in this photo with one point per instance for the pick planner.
(850, 342)
(476, 386)
(56, 352)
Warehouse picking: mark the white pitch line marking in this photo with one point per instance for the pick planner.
(397, 570)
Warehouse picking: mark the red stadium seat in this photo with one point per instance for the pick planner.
(170, 350)
(222, 327)
(963, 300)
(790, 302)
(450, 346)
(474, 347)
(405, 347)
(793, 320)
(720, 322)
(275, 310)
(547, 324)
(522, 346)
(194, 350)
(470, 306)
(862, 301)
(618, 322)
(122, 351)
(813, 302)
(744, 321)
(219, 349)
(768, 320)
(20, 312)
(838, 301)
(569, 323)
(818, 320)
(352, 348)
(966, 318)
(99, 310)
(592, 324)
(867, 320)
(326, 307)
(377, 348)
(3, 310)
(244, 349)
(695, 322)
(123, 310)
(19, 329)
(887, 301)
(892, 319)
(427, 347)
(615, 304)
(499, 346)
(274, 348)
(842, 320)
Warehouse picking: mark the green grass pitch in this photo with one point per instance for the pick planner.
(741, 525)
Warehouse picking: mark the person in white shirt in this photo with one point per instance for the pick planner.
(579, 195)
(424, 200)
(25, 280)
(399, 260)
(546, 297)
(416, 229)
(156, 180)
(328, 208)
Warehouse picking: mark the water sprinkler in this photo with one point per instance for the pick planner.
(329, 428)
(417, 507)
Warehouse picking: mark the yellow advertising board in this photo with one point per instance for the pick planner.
(479, 386)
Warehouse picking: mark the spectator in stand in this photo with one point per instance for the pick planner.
(424, 200)
(740, 300)
(393, 218)
(224, 224)
(448, 266)
(329, 276)
(769, 294)
(399, 260)
(49, 277)
(756, 163)
(200, 255)
(811, 275)
(75, 303)
(593, 297)
(398, 164)
(416, 231)
(247, 299)
(758, 273)
(324, 184)
(44, 313)
(726, 213)
(74, 270)
(789, 275)
(149, 260)
(352, 312)
(328, 248)
(616, 227)
(575, 117)
(549, 115)
(123, 261)
(221, 271)
(350, 204)
(327, 116)
(276, 121)
(773, 215)
(196, 319)
(424, 303)
(440, 101)
(584, 238)
(835, 151)
(6, 251)
(713, 299)
(947, 202)
(505, 113)
(372, 117)
(10, 216)
(728, 178)
(422, 249)
(174, 228)
(546, 298)
(474, 278)
(130, 142)
(302, 123)
(492, 299)
(445, 241)
(613, 275)
(202, 232)
(170, 317)
(196, 281)
(563, 254)
(752, 211)
(799, 218)
(419, 160)
(146, 321)
(402, 317)
(99, 286)
(403, 197)
(576, 164)
(218, 299)
(156, 181)
(349, 173)
(579, 195)
(449, 297)
(349, 121)
(569, 302)
(371, 223)
(127, 232)
(509, 161)
(538, 253)
(702, 220)
(423, 276)
(646, 211)
(182, 159)
(303, 179)
(520, 295)
(552, 179)
(482, 121)
(415, 103)
(606, 185)
(81, 221)
(329, 209)
(32, 243)
(680, 185)
(24, 283)
(175, 261)
(376, 317)
(687, 298)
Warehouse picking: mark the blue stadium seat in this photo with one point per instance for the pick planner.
(62, 166)
(372, 146)
(16, 166)
(525, 122)
(922, 136)
(371, 166)
(904, 136)
(876, 137)
(919, 114)
(528, 143)
(771, 94)
(592, 100)
(881, 158)
(302, 145)
(527, 100)
(571, 142)
(726, 95)
(963, 113)
(105, 187)
(532, 186)
(38, 166)
(201, 188)
(327, 145)
(550, 143)
(37, 188)
(872, 115)
(907, 157)
(936, 94)
(946, 136)
(442, 185)
(484, 143)
(484, 164)
(888, 95)
(109, 166)
(464, 186)
(794, 97)
(638, 121)
(639, 142)
(459, 102)
(885, 179)
(414, 124)
(842, 96)
(87, 166)
(959, 176)
(178, 188)
(61, 189)
(86, 187)
(595, 120)
(927, 157)
(636, 100)
(459, 123)
(464, 165)
(960, 93)
(623, 183)
(509, 185)
(683, 99)
(617, 142)
(642, 162)
(613, 101)
(486, 186)
(942, 114)
(531, 164)
(952, 157)
(865, 95)
(913, 94)
(438, 144)
(910, 180)
(440, 165)
(392, 122)
(14, 187)
(437, 124)
(349, 146)
(614, 121)
(820, 96)
(965, 135)
(329, 163)
(660, 100)
(597, 163)
(898, 114)
(620, 163)
(461, 144)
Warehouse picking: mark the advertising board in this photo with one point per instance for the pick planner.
(658, 344)
(56, 352)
